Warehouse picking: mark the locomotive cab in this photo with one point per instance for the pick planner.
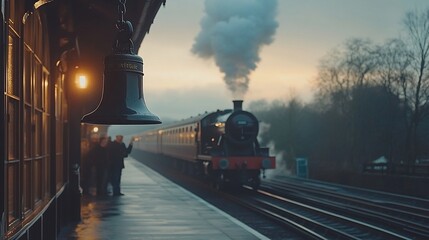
(213, 129)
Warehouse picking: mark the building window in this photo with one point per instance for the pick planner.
(28, 108)
(13, 129)
(13, 120)
(12, 192)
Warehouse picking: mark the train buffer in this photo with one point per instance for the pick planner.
(153, 208)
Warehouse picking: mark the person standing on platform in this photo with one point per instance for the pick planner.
(117, 152)
(98, 155)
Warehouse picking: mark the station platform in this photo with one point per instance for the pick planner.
(153, 208)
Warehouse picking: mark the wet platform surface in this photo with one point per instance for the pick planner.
(153, 208)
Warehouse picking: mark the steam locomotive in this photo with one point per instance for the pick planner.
(220, 145)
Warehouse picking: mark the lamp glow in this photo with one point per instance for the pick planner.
(82, 82)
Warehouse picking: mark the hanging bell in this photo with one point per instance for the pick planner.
(122, 101)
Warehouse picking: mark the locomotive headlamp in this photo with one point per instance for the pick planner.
(122, 101)
(220, 124)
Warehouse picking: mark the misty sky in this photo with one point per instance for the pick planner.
(178, 83)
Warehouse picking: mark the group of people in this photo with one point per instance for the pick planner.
(107, 159)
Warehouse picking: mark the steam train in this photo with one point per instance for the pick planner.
(220, 145)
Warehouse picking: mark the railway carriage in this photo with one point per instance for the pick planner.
(222, 145)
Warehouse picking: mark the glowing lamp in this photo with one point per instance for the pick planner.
(81, 81)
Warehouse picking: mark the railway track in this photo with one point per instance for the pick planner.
(314, 211)
(316, 221)
(336, 216)
(409, 214)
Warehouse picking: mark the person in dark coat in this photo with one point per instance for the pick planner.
(99, 156)
(117, 152)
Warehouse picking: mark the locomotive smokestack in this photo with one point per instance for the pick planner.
(238, 105)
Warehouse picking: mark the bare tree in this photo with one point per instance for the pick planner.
(416, 90)
(358, 108)
(360, 61)
(342, 71)
(394, 67)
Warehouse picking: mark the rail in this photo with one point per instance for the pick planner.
(389, 212)
(397, 169)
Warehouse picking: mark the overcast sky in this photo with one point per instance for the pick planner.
(179, 84)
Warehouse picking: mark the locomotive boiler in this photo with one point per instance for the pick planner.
(220, 145)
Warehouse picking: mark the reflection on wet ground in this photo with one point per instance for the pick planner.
(152, 208)
(93, 212)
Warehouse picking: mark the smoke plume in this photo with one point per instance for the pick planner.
(281, 168)
(233, 32)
